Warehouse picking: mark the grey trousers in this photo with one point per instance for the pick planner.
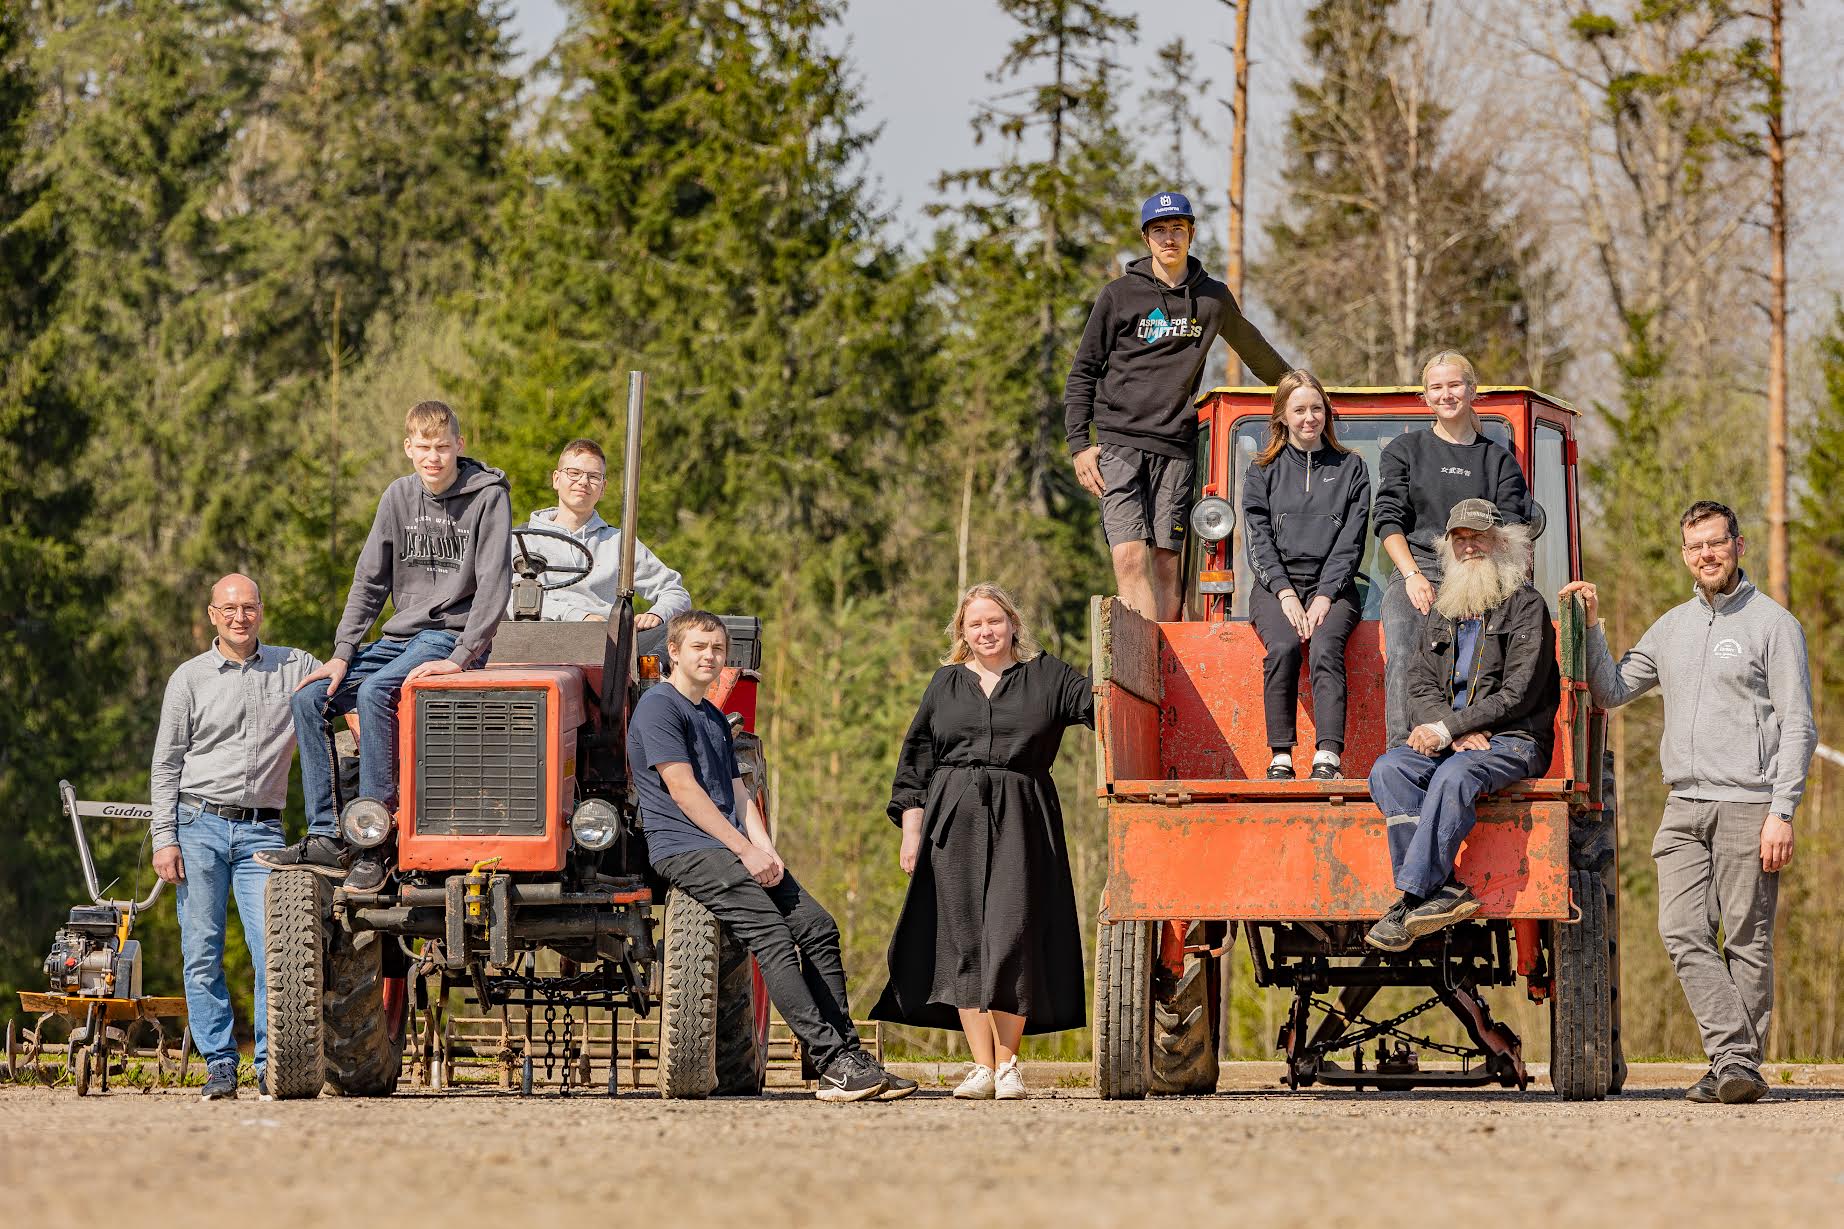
(1400, 621)
(1710, 876)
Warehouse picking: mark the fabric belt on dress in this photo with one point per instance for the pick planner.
(257, 815)
(981, 775)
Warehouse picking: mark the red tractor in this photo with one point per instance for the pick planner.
(1200, 846)
(522, 880)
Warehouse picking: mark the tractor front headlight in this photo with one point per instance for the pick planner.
(1212, 518)
(595, 824)
(367, 823)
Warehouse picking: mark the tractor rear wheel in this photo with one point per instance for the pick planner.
(1580, 1013)
(742, 1022)
(1123, 1010)
(688, 1001)
(364, 1046)
(1185, 1027)
(294, 955)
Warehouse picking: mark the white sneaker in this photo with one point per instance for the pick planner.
(978, 1086)
(1009, 1083)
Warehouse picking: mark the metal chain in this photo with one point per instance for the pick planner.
(550, 1038)
(1386, 1028)
(569, 1056)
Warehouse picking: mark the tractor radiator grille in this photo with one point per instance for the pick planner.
(480, 763)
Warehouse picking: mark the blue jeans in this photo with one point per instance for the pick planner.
(220, 857)
(1428, 801)
(370, 687)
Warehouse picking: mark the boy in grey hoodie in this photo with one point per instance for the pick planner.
(440, 550)
(1738, 740)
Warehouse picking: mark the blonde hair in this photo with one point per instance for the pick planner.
(1450, 358)
(1290, 384)
(1024, 645)
(430, 418)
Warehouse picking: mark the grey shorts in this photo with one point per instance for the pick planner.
(1145, 497)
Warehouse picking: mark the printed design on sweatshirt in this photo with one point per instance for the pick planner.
(434, 542)
(1157, 327)
(1458, 471)
(1727, 649)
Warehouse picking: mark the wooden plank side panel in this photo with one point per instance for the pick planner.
(1127, 652)
(1305, 861)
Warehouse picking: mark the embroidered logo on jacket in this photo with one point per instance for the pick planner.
(1156, 327)
(436, 543)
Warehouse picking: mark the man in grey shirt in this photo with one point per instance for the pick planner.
(219, 779)
(1738, 740)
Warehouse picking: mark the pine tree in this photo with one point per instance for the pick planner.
(1374, 183)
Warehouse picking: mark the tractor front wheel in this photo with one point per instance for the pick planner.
(294, 955)
(1123, 1010)
(688, 1001)
(1580, 1013)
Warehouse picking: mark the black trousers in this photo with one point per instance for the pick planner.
(791, 936)
(1280, 669)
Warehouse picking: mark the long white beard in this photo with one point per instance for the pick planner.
(1470, 587)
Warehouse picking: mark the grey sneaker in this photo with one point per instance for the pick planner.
(1451, 904)
(220, 1082)
(896, 1087)
(1737, 1084)
(1389, 934)
(262, 1087)
(1703, 1092)
(369, 871)
(851, 1076)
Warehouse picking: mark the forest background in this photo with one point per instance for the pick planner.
(239, 237)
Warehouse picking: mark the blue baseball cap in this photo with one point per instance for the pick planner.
(1166, 205)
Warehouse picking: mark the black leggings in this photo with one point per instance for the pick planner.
(1280, 670)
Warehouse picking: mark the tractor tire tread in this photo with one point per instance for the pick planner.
(688, 1003)
(295, 972)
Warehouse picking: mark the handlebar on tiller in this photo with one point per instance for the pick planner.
(78, 811)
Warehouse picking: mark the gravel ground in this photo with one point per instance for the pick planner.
(1252, 1155)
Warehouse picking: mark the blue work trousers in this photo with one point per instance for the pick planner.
(1428, 803)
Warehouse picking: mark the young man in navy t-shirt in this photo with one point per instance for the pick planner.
(706, 836)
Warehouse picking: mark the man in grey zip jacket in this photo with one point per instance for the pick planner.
(1738, 740)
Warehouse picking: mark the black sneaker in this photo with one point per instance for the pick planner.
(1278, 771)
(1703, 1092)
(220, 1083)
(1389, 934)
(895, 1086)
(1323, 771)
(851, 1076)
(1738, 1084)
(320, 854)
(1451, 904)
(369, 871)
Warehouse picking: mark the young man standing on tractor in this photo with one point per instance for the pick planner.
(219, 780)
(706, 836)
(579, 480)
(1483, 689)
(440, 550)
(1729, 661)
(1135, 372)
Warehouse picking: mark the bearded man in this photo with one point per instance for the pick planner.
(1483, 690)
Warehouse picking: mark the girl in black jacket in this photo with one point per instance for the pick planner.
(1305, 508)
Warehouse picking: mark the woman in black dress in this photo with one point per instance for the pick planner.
(988, 940)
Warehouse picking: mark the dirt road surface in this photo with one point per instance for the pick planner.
(1252, 1155)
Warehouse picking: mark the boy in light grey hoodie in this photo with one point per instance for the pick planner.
(439, 550)
(1738, 740)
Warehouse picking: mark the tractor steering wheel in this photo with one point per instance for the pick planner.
(529, 564)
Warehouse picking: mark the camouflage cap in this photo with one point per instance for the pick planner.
(1475, 514)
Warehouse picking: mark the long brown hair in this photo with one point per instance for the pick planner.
(1290, 384)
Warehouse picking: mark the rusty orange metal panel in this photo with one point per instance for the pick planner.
(1307, 861)
(1128, 729)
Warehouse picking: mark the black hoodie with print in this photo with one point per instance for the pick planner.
(444, 561)
(1143, 353)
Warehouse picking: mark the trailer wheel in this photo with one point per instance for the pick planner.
(1581, 1029)
(1123, 1010)
(1185, 1025)
(294, 957)
(364, 1045)
(688, 1003)
(742, 1022)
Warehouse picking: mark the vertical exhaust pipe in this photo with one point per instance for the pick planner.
(630, 480)
(618, 664)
